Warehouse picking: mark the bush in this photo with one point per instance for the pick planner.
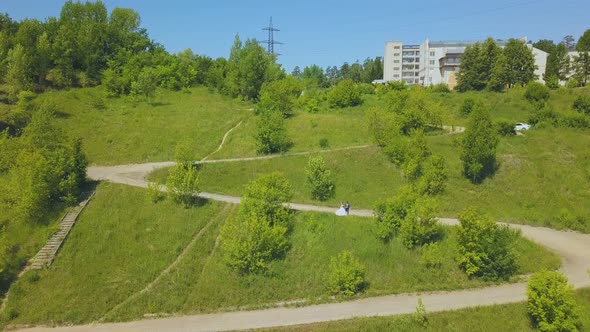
(467, 106)
(182, 183)
(544, 115)
(574, 120)
(431, 256)
(485, 249)
(271, 133)
(382, 126)
(479, 146)
(505, 128)
(582, 104)
(420, 226)
(551, 303)
(572, 83)
(279, 96)
(391, 212)
(536, 93)
(434, 176)
(344, 94)
(347, 275)
(366, 88)
(154, 192)
(25, 101)
(259, 233)
(552, 82)
(319, 179)
(324, 144)
(440, 88)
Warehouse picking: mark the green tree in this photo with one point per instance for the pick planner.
(296, 72)
(420, 226)
(581, 67)
(583, 44)
(479, 146)
(551, 304)
(271, 133)
(279, 96)
(391, 212)
(347, 275)
(259, 233)
(314, 76)
(486, 60)
(467, 76)
(344, 94)
(184, 178)
(18, 74)
(319, 178)
(485, 249)
(145, 85)
(537, 94)
(520, 63)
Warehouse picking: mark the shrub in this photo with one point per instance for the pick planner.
(324, 144)
(467, 106)
(347, 275)
(312, 105)
(574, 120)
(572, 83)
(25, 100)
(319, 178)
(279, 96)
(434, 176)
(259, 233)
(479, 146)
(582, 104)
(544, 115)
(484, 247)
(505, 128)
(391, 212)
(344, 94)
(271, 133)
(441, 88)
(366, 88)
(382, 126)
(154, 192)
(420, 317)
(431, 256)
(420, 226)
(552, 82)
(551, 303)
(537, 93)
(183, 183)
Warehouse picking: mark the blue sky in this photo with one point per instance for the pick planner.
(333, 32)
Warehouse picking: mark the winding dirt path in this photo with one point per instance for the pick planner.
(572, 247)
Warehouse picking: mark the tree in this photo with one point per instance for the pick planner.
(18, 74)
(344, 94)
(520, 63)
(183, 180)
(583, 44)
(486, 60)
(467, 76)
(537, 93)
(420, 226)
(485, 249)
(271, 133)
(296, 72)
(279, 96)
(145, 85)
(551, 304)
(347, 275)
(581, 66)
(259, 233)
(479, 146)
(390, 213)
(314, 76)
(569, 42)
(319, 178)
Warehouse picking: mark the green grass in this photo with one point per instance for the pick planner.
(124, 131)
(121, 242)
(505, 317)
(543, 177)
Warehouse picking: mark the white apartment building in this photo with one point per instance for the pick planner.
(435, 62)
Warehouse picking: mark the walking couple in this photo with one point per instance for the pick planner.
(344, 209)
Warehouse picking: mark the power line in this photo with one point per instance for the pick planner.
(270, 42)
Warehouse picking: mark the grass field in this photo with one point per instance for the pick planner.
(506, 317)
(123, 241)
(118, 130)
(543, 178)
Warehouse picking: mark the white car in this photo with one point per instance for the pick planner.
(522, 126)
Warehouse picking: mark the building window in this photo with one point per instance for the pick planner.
(396, 75)
(431, 53)
(395, 61)
(432, 62)
(395, 68)
(396, 47)
(395, 54)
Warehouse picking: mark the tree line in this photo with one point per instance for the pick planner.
(368, 71)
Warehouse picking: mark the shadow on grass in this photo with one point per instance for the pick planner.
(158, 103)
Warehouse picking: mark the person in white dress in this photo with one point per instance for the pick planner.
(341, 211)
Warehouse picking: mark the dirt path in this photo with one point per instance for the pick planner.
(572, 247)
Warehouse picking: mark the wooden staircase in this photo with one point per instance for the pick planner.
(47, 254)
